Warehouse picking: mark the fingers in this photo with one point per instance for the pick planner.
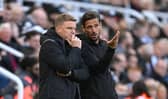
(73, 37)
(70, 42)
(116, 36)
(76, 38)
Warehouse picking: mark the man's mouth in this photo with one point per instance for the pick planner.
(94, 37)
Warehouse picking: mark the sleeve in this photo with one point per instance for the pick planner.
(95, 64)
(104, 62)
(81, 73)
(55, 57)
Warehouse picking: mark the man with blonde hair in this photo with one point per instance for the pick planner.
(61, 64)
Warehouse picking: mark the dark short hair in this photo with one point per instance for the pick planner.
(62, 18)
(88, 16)
(30, 34)
(139, 88)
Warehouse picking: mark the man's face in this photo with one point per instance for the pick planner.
(35, 70)
(161, 68)
(67, 30)
(6, 34)
(35, 42)
(92, 28)
(40, 18)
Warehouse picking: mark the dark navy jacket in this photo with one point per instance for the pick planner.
(97, 57)
(57, 56)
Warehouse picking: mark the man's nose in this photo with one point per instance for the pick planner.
(93, 29)
(73, 31)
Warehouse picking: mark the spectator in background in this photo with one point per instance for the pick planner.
(109, 20)
(9, 61)
(39, 17)
(7, 17)
(139, 32)
(52, 12)
(147, 4)
(153, 32)
(118, 67)
(114, 20)
(132, 60)
(135, 4)
(122, 90)
(160, 50)
(152, 86)
(32, 39)
(156, 89)
(160, 72)
(161, 92)
(17, 15)
(134, 74)
(145, 53)
(29, 77)
(140, 91)
(126, 42)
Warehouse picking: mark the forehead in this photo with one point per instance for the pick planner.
(35, 37)
(92, 22)
(70, 23)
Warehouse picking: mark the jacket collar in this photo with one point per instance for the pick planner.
(51, 32)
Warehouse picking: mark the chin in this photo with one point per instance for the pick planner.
(94, 39)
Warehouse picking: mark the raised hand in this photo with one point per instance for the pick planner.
(75, 42)
(114, 41)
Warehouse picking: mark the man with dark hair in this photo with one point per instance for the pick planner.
(32, 39)
(97, 55)
(30, 77)
(61, 64)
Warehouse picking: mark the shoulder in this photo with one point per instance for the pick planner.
(47, 40)
(49, 37)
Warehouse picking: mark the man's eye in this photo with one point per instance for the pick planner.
(89, 27)
(96, 25)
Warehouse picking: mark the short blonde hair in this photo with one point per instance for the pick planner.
(62, 18)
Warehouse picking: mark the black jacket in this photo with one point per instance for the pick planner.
(57, 56)
(97, 57)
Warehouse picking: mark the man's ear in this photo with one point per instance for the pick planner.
(58, 28)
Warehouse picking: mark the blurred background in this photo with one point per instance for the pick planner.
(139, 66)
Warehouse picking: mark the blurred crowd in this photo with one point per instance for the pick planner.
(140, 63)
(139, 5)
